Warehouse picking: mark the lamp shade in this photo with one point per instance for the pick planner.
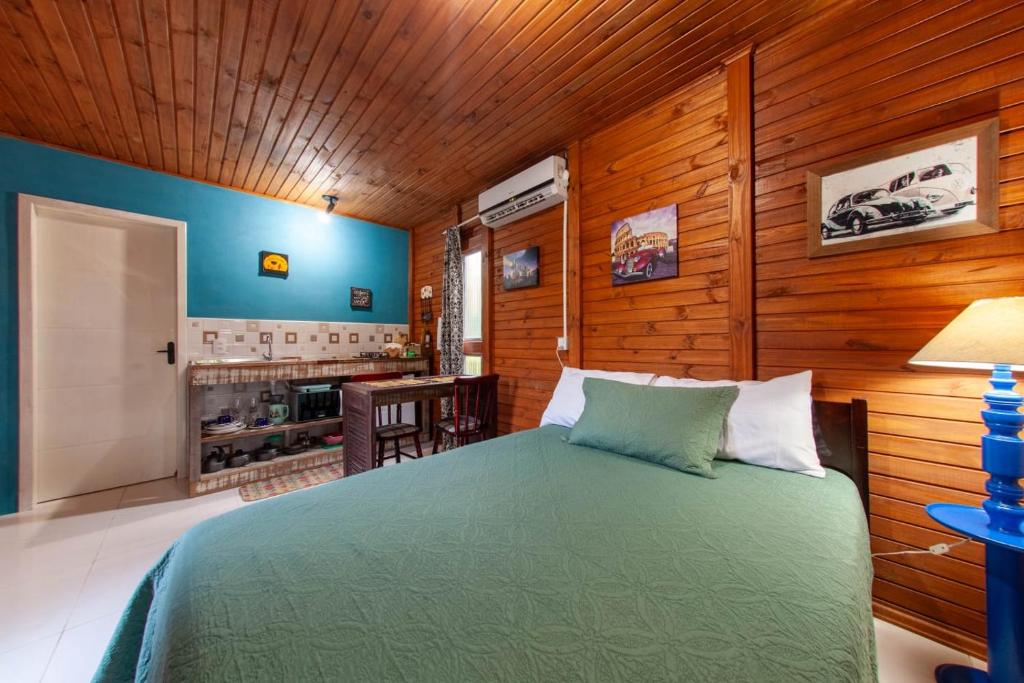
(986, 333)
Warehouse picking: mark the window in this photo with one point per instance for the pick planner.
(472, 296)
(901, 182)
(870, 195)
(935, 172)
(474, 365)
(472, 312)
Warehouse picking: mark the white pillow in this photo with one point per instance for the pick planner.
(567, 401)
(770, 423)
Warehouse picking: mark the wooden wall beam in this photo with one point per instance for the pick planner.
(740, 102)
(574, 282)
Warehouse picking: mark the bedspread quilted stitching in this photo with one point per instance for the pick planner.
(518, 559)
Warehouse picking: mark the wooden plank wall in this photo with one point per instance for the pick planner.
(839, 83)
(672, 152)
(844, 82)
(675, 151)
(427, 265)
(527, 322)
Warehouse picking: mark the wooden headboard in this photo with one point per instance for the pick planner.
(842, 440)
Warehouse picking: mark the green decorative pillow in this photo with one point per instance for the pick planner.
(671, 426)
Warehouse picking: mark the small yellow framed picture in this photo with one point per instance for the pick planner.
(273, 264)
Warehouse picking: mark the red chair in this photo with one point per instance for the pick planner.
(472, 405)
(393, 431)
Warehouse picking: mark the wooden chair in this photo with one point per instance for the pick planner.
(394, 431)
(472, 402)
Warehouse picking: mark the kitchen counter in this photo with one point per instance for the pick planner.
(204, 373)
(284, 360)
(236, 370)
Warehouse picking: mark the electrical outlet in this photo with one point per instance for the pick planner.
(266, 337)
(561, 344)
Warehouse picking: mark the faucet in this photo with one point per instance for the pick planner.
(269, 355)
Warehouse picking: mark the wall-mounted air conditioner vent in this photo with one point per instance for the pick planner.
(535, 189)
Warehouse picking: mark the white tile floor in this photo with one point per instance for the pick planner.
(69, 567)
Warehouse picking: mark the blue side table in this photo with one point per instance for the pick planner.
(1004, 596)
(998, 524)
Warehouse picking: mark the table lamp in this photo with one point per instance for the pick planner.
(989, 335)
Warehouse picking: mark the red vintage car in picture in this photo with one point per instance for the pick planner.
(639, 262)
(644, 247)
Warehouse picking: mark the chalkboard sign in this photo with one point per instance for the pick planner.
(360, 297)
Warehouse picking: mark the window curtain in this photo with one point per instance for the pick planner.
(450, 336)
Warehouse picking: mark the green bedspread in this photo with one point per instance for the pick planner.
(519, 559)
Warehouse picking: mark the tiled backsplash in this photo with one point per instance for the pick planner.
(290, 338)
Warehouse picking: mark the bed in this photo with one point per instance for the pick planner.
(523, 558)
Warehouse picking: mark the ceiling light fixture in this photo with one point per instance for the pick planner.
(332, 201)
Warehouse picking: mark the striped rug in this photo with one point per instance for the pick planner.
(287, 483)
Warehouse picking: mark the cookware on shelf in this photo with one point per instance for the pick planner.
(239, 459)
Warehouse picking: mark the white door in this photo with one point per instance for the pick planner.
(104, 300)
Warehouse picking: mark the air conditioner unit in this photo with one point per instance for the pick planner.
(535, 189)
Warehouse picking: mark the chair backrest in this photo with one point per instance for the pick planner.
(474, 397)
(377, 377)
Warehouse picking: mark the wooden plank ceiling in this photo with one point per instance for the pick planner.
(398, 107)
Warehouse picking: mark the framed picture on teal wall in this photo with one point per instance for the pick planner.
(273, 264)
(361, 298)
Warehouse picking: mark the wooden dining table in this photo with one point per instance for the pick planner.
(359, 410)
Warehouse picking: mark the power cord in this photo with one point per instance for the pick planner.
(558, 355)
(937, 549)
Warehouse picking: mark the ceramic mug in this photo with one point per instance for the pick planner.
(278, 413)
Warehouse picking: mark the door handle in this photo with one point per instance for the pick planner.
(169, 351)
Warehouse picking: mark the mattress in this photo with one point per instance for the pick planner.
(522, 558)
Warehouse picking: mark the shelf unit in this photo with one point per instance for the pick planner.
(203, 375)
(276, 429)
(229, 478)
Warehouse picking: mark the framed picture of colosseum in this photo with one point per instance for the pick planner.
(644, 247)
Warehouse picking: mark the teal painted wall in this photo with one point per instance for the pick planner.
(226, 232)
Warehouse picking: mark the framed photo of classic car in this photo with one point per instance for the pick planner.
(935, 187)
(644, 246)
